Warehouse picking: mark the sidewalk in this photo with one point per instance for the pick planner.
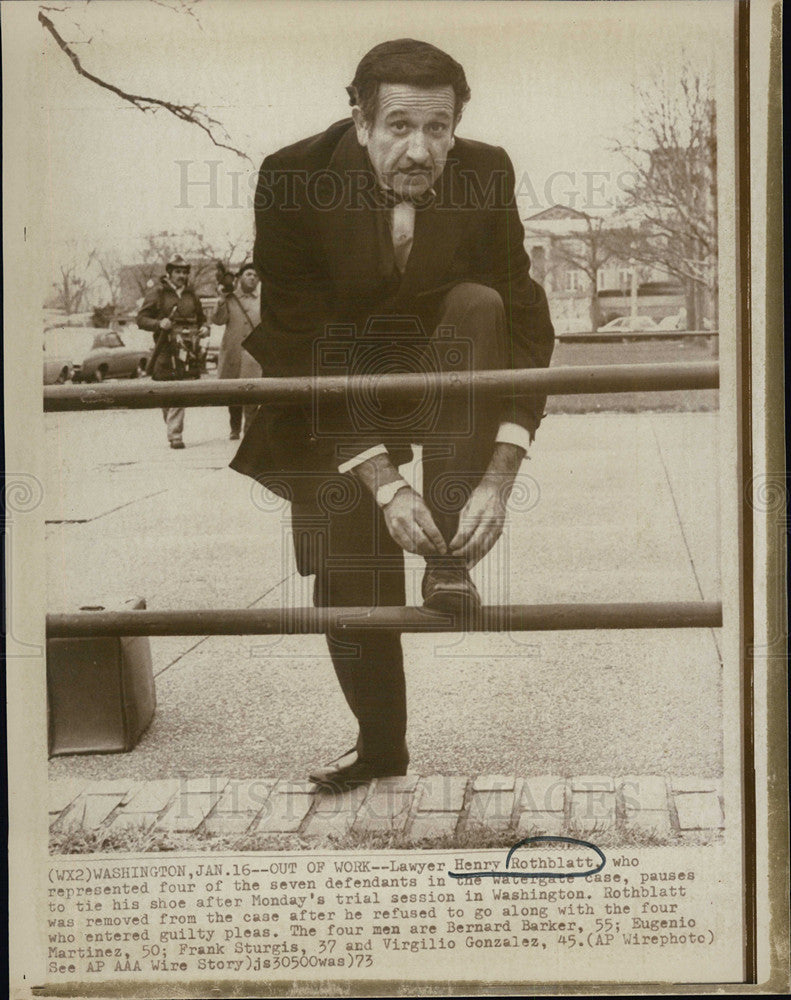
(417, 809)
(610, 507)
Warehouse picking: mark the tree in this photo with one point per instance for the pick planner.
(72, 286)
(137, 277)
(192, 114)
(670, 210)
(109, 270)
(586, 250)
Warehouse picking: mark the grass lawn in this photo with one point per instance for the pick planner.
(648, 352)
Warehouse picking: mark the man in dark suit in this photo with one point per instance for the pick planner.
(387, 244)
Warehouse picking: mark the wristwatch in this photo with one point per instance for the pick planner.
(386, 493)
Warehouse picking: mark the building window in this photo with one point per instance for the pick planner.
(573, 281)
(625, 277)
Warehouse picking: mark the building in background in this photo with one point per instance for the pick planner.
(583, 263)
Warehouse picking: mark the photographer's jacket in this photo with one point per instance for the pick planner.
(164, 301)
(325, 257)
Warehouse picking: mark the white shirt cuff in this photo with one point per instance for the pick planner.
(378, 449)
(514, 434)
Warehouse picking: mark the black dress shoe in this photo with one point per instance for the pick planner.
(447, 586)
(338, 776)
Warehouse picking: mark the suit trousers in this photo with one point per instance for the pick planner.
(340, 534)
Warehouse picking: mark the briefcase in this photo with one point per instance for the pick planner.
(100, 690)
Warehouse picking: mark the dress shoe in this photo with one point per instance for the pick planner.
(447, 586)
(234, 435)
(177, 444)
(338, 776)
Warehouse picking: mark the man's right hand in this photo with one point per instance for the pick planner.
(165, 324)
(411, 525)
(407, 517)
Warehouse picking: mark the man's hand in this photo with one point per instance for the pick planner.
(482, 518)
(165, 324)
(407, 517)
(411, 525)
(481, 521)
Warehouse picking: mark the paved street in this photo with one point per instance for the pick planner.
(615, 507)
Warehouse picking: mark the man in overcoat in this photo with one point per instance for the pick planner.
(239, 312)
(388, 244)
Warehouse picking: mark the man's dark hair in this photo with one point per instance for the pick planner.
(408, 61)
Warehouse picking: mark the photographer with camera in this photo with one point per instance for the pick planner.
(173, 313)
(239, 311)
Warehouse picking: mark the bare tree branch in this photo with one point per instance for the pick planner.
(673, 156)
(181, 7)
(587, 251)
(184, 112)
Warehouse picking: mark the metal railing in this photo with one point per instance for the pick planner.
(313, 621)
(632, 336)
(282, 621)
(567, 381)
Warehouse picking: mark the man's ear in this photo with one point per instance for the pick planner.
(360, 125)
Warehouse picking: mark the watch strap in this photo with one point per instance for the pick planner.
(386, 493)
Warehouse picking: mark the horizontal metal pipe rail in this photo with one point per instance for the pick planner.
(225, 392)
(633, 337)
(309, 621)
(289, 621)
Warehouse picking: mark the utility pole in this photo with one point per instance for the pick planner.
(634, 294)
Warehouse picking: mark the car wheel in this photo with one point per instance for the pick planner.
(63, 376)
(100, 374)
(140, 371)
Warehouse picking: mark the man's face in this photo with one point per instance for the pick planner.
(248, 281)
(179, 275)
(409, 141)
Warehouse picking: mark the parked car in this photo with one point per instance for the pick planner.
(57, 368)
(625, 324)
(97, 354)
(677, 321)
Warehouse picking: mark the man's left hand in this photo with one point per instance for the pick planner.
(482, 519)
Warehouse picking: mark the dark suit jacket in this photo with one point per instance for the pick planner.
(319, 254)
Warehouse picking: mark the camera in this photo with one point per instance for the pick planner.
(188, 348)
(391, 345)
(225, 278)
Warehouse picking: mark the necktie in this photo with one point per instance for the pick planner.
(402, 221)
(403, 229)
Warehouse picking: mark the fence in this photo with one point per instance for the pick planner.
(277, 621)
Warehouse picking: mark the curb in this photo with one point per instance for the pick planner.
(413, 807)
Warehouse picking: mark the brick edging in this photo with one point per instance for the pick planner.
(418, 808)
